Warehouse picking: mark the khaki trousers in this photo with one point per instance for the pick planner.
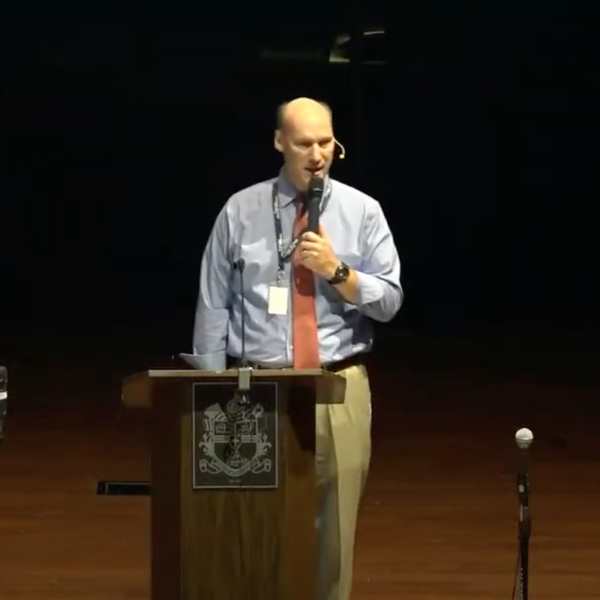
(343, 454)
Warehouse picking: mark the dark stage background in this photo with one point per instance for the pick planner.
(126, 127)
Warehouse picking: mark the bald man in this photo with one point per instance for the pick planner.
(309, 301)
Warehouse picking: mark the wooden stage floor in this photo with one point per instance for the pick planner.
(440, 517)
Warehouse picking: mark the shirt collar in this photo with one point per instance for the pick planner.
(287, 192)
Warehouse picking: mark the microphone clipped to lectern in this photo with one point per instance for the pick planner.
(244, 370)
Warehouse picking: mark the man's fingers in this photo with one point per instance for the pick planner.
(311, 236)
(312, 246)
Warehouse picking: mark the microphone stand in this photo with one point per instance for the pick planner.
(3, 400)
(244, 371)
(524, 533)
(240, 401)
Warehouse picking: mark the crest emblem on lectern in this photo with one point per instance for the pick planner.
(235, 441)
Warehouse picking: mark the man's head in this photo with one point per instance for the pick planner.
(304, 136)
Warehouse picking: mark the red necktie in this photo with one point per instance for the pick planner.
(304, 311)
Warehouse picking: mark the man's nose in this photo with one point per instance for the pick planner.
(315, 152)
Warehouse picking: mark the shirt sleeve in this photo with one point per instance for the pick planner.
(212, 308)
(380, 290)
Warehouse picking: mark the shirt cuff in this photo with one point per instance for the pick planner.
(207, 362)
(370, 289)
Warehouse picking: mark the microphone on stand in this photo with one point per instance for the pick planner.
(241, 265)
(244, 371)
(313, 203)
(3, 399)
(524, 438)
(240, 402)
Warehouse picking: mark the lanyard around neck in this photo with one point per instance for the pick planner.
(283, 254)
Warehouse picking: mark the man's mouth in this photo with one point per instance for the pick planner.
(313, 170)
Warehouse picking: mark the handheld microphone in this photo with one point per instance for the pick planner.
(524, 438)
(313, 203)
(3, 399)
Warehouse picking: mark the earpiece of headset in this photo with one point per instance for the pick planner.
(342, 149)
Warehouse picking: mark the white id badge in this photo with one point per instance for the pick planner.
(278, 300)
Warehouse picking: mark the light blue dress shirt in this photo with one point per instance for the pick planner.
(245, 228)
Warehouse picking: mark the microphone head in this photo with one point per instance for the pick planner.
(241, 263)
(315, 187)
(524, 437)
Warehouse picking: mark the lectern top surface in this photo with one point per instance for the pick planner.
(137, 388)
(233, 373)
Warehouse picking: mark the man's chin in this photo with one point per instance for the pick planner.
(303, 179)
(312, 173)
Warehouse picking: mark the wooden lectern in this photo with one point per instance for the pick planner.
(233, 486)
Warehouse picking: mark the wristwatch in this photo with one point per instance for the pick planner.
(341, 274)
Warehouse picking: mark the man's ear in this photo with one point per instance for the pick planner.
(277, 142)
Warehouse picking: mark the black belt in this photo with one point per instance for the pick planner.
(334, 367)
(351, 361)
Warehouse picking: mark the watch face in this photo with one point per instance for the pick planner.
(341, 273)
